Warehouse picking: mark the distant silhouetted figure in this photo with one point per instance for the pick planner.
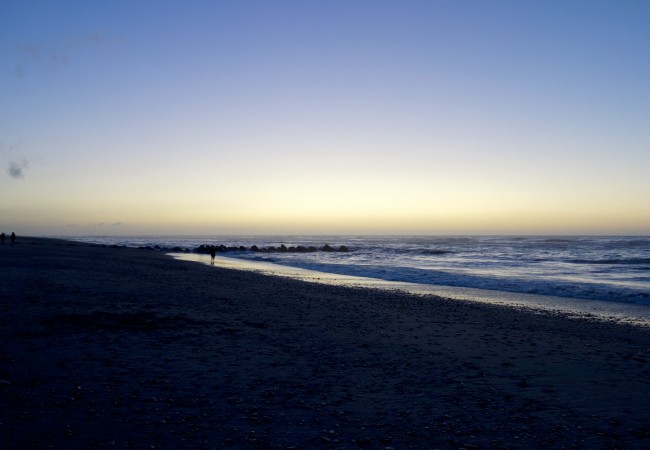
(2, 238)
(213, 252)
(13, 238)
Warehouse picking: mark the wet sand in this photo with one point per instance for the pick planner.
(127, 348)
(597, 309)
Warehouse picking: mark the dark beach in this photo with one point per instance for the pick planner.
(126, 348)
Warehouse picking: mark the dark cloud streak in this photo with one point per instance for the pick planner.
(16, 169)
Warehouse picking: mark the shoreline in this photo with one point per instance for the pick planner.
(601, 269)
(595, 309)
(127, 348)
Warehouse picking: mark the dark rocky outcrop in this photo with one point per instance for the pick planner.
(205, 249)
(329, 248)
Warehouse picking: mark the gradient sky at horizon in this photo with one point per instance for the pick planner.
(311, 117)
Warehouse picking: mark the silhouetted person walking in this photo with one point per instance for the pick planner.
(213, 252)
(13, 238)
(2, 238)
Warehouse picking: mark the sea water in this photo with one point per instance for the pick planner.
(610, 269)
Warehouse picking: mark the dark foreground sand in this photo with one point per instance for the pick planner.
(127, 348)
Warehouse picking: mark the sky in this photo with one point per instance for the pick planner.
(324, 117)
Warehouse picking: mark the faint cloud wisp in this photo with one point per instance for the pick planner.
(95, 225)
(52, 57)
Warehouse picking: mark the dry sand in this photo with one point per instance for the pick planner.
(127, 348)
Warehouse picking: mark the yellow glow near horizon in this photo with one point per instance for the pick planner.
(328, 202)
(325, 119)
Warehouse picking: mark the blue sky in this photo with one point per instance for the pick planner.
(324, 117)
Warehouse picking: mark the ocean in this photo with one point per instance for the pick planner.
(599, 268)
